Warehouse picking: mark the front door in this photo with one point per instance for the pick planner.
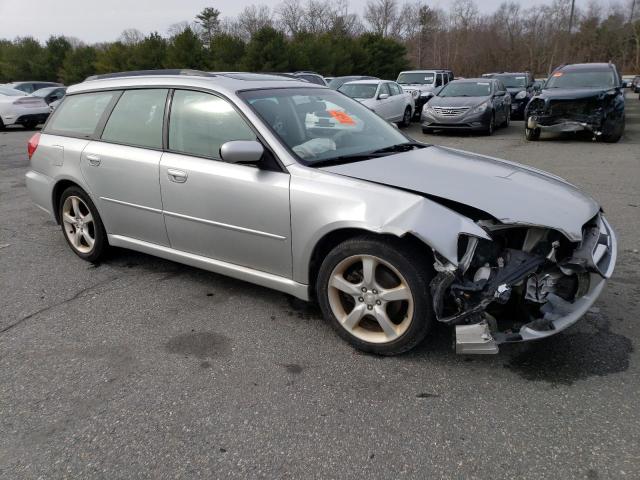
(229, 212)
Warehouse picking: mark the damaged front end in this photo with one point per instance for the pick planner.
(525, 283)
(592, 113)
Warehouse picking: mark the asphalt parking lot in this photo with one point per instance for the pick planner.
(143, 368)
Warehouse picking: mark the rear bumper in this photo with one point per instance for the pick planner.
(20, 115)
(40, 189)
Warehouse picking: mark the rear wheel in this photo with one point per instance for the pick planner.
(406, 118)
(81, 225)
(30, 125)
(375, 293)
(1, 125)
(427, 131)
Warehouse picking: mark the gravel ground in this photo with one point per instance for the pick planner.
(144, 368)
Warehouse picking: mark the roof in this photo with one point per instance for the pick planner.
(372, 81)
(428, 70)
(586, 66)
(228, 82)
(473, 80)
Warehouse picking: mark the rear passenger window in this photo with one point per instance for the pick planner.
(79, 114)
(137, 119)
(200, 123)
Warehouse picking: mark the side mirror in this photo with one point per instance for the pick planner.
(383, 96)
(241, 151)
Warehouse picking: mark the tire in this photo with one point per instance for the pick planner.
(78, 227)
(30, 125)
(492, 125)
(613, 137)
(427, 131)
(1, 125)
(531, 134)
(507, 119)
(360, 308)
(406, 119)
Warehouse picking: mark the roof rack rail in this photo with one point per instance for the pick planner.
(140, 73)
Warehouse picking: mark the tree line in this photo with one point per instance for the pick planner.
(325, 36)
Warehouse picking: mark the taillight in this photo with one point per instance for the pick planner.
(33, 144)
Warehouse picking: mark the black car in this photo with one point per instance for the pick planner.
(521, 88)
(50, 94)
(583, 96)
(476, 104)
(635, 84)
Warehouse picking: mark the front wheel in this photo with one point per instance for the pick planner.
(532, 134)
(375, 293)
(507, 119)
(81, 225)
(492, 125)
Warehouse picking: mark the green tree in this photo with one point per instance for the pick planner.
(209, 20)
(149, 54)
(185, 51)
(56, 49)
(78, 64)
(113, 58)
(225, 52)
(384, 57)
(267, 51)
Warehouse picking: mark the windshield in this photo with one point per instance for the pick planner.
(513, 81)
(320, 125)
(406, 78)
(466, 89)
(12, 92)
(43, 92)
(359, 90)
(582, 79)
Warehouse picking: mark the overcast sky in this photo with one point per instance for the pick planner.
(104, 20)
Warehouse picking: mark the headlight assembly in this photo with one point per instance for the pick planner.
(481, 108)
(521, 95)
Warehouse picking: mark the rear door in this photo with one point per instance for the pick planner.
(234, 213)
(122, 167)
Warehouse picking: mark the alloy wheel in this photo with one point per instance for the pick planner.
(370, 298)
(79, 225)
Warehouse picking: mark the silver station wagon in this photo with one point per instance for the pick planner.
(301, 189)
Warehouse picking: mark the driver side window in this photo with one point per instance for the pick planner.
(199, 123)
(384, 88)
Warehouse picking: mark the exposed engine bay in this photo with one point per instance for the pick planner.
(518, 285)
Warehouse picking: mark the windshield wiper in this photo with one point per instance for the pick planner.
(355, 157)
(400, 147)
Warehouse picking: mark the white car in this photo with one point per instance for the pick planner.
(18, 108)
(385, 98)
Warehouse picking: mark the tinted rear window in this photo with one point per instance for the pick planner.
(79, 114)
(137, 119)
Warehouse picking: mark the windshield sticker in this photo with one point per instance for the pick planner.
(557, 74)
(483, 83)
(519, 78)
(342, 117)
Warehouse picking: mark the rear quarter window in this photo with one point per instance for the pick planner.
(79, 114)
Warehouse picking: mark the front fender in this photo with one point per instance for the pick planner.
(323, 202)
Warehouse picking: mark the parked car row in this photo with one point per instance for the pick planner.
(28, 103)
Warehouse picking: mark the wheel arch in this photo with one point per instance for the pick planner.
(56, 193)
(333, 238)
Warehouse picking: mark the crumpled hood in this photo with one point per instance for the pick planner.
(457, 101)
(510, 192)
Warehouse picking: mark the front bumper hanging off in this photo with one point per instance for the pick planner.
(597, 254)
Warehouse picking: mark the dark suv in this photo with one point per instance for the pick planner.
(520, 87)
(583, 96)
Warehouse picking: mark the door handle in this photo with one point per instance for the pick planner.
(93, 160)
(178, 176)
